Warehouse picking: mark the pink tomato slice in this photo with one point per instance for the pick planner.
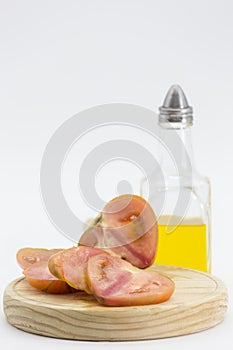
(70, 265)
(39, 277)
(26, 257)
(115, 282)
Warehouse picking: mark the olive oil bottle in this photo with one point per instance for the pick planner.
(181, 199)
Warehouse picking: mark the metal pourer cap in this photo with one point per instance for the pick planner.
(175, 108)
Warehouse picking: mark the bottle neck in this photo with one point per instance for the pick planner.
(176, 150)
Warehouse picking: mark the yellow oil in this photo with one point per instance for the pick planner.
(183, 245)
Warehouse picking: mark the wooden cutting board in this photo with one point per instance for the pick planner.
(198, 303)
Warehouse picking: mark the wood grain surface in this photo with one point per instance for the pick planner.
(198, 303)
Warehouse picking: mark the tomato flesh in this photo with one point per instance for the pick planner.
(70, 265)
(128, 227)
(115, 282)
(34, 262)
(39, 277)
(26, 257)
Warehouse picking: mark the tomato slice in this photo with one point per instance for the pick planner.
(115, 282)
(127, 226)
(26, 257)
(70, 265)
(39, 277)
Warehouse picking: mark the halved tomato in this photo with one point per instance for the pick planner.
(70, 265)
(115, 282)
(128, 227)
(39, 277)
(26, 257)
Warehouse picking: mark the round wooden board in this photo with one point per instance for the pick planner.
(198, 303)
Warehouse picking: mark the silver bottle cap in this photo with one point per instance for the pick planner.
(175, 108)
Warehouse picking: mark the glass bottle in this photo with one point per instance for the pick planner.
(181, 198)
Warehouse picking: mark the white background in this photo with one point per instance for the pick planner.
(60, 57)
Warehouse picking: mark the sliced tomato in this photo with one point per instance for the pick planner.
(26, 257)
(39, 277)
(115, 282)
(128, 227)
(70, 265)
